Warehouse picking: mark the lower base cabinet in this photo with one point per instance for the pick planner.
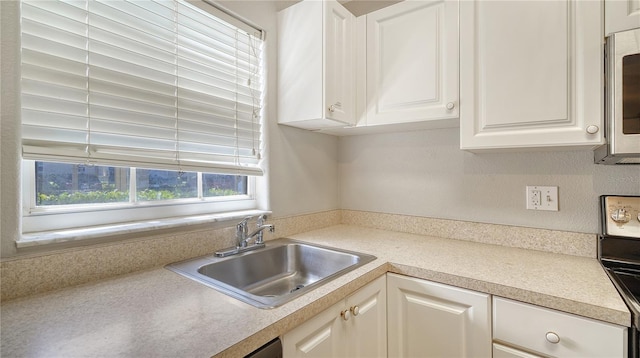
(401, 316)
(354, 327)
(428, 319)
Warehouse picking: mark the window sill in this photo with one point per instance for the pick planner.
(40, 239)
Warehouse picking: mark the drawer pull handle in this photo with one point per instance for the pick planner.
(345, 315)
(553, 337)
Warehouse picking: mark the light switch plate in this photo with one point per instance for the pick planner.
(542, 198)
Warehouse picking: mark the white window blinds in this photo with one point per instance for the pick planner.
(153, 84)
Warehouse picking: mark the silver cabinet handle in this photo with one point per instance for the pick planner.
(592, 129)
(552, 337)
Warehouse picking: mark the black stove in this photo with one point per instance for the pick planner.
(619, 253)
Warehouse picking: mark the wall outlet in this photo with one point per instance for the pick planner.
(542, 198)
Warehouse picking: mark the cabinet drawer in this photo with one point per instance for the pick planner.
(529, 326)
(500, 351)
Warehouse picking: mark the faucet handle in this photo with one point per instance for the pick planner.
(241, 229)
(242, 225)
(245, 220)
(261, 219)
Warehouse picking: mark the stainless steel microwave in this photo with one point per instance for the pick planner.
(622, 101)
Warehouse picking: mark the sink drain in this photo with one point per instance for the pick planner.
(297, 288)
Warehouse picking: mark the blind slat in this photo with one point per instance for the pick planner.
(51, 151)
(146, 83)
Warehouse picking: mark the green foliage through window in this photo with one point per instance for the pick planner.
(82, 197)
(75, 184)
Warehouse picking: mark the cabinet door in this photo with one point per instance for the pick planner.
(531, 74)
(300, 66)
(339, 59)
(412, 62)
(367, 330)
(427, 319)
(621, 15)
(316, 79)
(322, 336)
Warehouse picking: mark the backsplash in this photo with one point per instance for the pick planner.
(560, 242)
(27, 276)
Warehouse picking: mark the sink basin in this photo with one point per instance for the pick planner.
(274, 275)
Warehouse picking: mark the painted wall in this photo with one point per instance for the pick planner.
(424, 173)
(10, 210)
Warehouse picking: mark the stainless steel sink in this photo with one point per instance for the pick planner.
(270, 277)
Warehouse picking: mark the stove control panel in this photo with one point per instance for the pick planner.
(621, 216)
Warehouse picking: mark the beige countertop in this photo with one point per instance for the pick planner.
(160, 313)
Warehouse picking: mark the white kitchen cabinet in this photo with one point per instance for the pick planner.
(316, 78)
(354, 327)
(531, 74)
(553, 333)
(428, 319)
(621, 15)
(411, 63)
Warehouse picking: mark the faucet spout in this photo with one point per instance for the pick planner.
(242, 232)
(259, 231)
(243, 237)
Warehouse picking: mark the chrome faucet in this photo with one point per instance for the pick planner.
(261, 226)
(241, 232)
(243, 237)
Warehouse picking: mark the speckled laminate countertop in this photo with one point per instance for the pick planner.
(160, 313)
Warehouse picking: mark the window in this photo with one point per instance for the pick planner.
(59, 184)
(128, 105)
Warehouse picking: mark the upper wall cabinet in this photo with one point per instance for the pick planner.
(316, 79)
(411, 63)
(621, 15)
(531, 74)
